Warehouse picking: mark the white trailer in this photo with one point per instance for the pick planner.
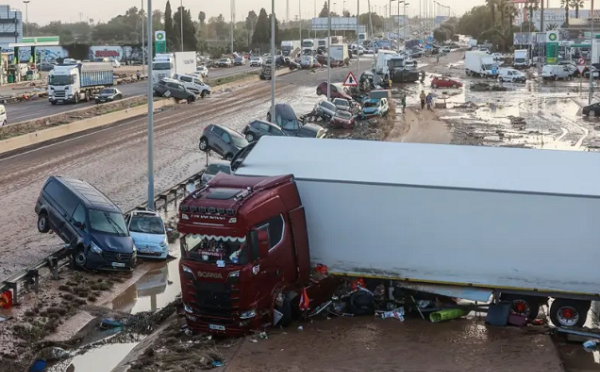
(339, 54)
(517, 221)
(185, 63)
(167, 65)
(478, 63)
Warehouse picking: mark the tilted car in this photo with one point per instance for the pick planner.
(592, 110)
(214, 168)
(258, 128)
(335, 91)
(171, 88)
(222, 140)
(224, 62)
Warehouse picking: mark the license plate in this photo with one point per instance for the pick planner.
(143, 250)
(118, 264)
(60, 101)
(216, 327)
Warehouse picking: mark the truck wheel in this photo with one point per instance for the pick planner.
(523, 305)
(42, 223)
(76, 98)
(87, 96)
(569, 313)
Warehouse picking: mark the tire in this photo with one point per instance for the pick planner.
(523, 305)
(319, 92)
(79, 257)
(569, 313)
(191, 99)
(501, 79)
(592, 114)
(203, 94)
(53, 103)
(250, 137)
(286, 310)
(77, 98)
(228, 157)
(42, 224)
(434, 86)
(203, 146)
(87, 96)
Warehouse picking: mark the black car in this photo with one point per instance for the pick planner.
(311, 131)
(258, 128)
(171, 88)
(89, 222)
(592, 110)
(108, 95)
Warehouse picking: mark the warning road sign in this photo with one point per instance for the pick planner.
(581, 61)
(581, 68)
(350, 80)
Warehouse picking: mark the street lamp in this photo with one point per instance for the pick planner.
(272, 59)
(26, 2)
(143, 51)
(329, 50)
(150, 203)
(181, 21)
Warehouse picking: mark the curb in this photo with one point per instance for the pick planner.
(35, 139)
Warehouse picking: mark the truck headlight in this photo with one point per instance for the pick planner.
(188, 308)
(187, 270)
(248, 314)
(95, 248)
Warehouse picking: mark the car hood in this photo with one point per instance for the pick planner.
(312, 127)
(143, 238)
(370, 109)
(111, 243)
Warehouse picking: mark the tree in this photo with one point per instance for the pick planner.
(251, 20)
(157, 20)
(218, 27)
(202, 18)
(565, 4)
(577, 4)
(325, 11)
(552, 26)
(492, 5)
(172, 37)
(440, 35)
(189, 30)
(262, 29)
(346, 14)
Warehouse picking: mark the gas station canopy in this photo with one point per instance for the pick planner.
(39, 41)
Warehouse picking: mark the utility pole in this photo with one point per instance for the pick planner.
(150, 203)
(593, 39)
(328, 50)
(272, 60)
(26, 2)
(143, 51)
(300, 20)
(232, 22)
(181, 21)
(357, 38)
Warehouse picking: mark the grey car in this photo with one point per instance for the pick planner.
(258, 128)
(173, 89)
(325, 109)
(222, 140)
(214, 168)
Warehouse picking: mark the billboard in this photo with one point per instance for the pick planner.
(337, 24)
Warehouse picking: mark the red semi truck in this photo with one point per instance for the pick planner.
(459, 221)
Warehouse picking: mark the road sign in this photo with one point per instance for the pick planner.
(494, 70)
(581, 68)
(350, 80)
(581, 61)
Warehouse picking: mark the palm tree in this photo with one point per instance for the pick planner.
(552, 27)
(577, 4)
(532, 6)
(565, 4)
(492, 5)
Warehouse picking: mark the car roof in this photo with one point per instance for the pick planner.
(144, 212)
(227, 129)
(263, 122)
(285, 110)
(88, 194)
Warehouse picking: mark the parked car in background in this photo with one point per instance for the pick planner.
(497, 56)
(108, 95)
(325, 109)
(149, 234)
(214, 168)
(342, 104)
(222, 140)
(224, 62)
(446, 49)
(556, 72)
(445, 82)
(172, 88)
(256, 62)
(592, 110)
(203, 70)
(46, 66)
(511, 75)
(239, 61)
(336, 91)
(375, 107)
(342, 119)
(88, 222)
(258, 128)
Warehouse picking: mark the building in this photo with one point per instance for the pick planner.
(11, 26)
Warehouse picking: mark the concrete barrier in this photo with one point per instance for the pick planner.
(46, 135)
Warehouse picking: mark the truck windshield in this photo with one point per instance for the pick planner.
(61, 79)
(161, 66)
(396, 63)
(519, 60)
(307, 44)
(211, 249)
(488, 67)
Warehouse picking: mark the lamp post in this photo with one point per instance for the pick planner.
(357, 37)
(404, 20)
(150, 204)
(300, 20)
(26, 2)
(143, 54)
(181, 21)
(272, 59)
(329, 50)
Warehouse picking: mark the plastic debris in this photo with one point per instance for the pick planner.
(590, 346)
(396, 313)
(38, 366)
(300, 328)
(217, 363)
(5, 318)
(6, 300)
(52, 354)
(263, 336)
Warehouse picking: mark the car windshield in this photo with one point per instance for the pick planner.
(107, 222)
(344, 115)
(216, 168)
(341, 102)
(107, 91)
(223, 60)
(212, 249)
(147, 225)
(371, 103)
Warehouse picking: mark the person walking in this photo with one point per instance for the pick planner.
(423, 97)
(429, 100)
(137, 73)
(404, 103)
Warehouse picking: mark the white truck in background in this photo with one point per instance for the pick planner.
(471, 43)
(309, 46)
(167, 65)
(383, 56)
(521, 59)
(480, 64)
(287, 46)
(80, 82)
(339, 55)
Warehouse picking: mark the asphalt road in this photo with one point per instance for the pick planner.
(24, 111)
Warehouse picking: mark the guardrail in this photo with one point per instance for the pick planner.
(58, 259)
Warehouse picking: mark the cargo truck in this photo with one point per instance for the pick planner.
(309, 46)
(167, 65)
(469, 222)
(339, 55)
(80, 82)
(287, 46)
(480, 64)
(521, 59)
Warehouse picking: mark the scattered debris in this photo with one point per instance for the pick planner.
(396, 313)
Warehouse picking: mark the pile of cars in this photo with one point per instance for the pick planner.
(183, 87)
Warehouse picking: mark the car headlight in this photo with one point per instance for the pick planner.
(164, 243)
(248, 314)
(95, 248)
(134, 248)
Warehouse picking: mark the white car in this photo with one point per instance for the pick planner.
(446, 49)
(149, 234)
(256, 62)
(3, 117)
(203, 70)
(194, 85)
(497, 56)
(115, 63)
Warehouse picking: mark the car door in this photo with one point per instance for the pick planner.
(263, 129)
(274, 131)
(76, 226)
(227, 144)
(216, 140)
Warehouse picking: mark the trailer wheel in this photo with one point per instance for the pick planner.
(569, 313)
(523, 305)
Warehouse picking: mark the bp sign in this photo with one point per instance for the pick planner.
(160, 42)
(552, 39)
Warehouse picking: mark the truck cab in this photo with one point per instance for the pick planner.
(244, 251)
(163, 66)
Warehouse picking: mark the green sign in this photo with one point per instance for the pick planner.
(160, 42)
(41, 40)
(551, 53)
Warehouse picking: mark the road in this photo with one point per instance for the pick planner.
(24, 111)
(114, 159)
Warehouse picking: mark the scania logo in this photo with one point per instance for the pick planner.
(206, 274)
(119, 257)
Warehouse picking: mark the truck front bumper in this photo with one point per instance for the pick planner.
(61, 99)
(221, 326)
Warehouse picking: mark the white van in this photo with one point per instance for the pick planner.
(555, 72)
(3, 117)
(511, 75)
(193, 84)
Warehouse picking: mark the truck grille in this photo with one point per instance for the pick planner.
(116, 257)
(213, 299)
(60, 93)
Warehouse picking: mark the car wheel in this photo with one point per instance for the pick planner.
(434, 86)
(203, 94)
(191, 99)
(80, 257)
(319, 92)
(228, 157)
(203, 144)
(592, 114)
(250, 137)
(42, 223)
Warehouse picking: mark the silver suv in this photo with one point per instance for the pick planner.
(222, 140)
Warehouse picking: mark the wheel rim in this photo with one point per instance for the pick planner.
(567, 316)
(80, 258)
(42, 223)
(202, 145)
(250, 137)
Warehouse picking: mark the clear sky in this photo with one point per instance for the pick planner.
(44, 11)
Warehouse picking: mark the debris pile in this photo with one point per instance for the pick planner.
(517, 122)
(484, 87)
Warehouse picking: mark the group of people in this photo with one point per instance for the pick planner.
(426, 100)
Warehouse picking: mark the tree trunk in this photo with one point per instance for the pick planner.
(577, 9)
(567, 14)
(542, 16)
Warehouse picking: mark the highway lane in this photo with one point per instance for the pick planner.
(24, 111)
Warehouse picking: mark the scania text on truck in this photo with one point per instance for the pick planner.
(75, 83)
(167, 65)
(480, 221)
